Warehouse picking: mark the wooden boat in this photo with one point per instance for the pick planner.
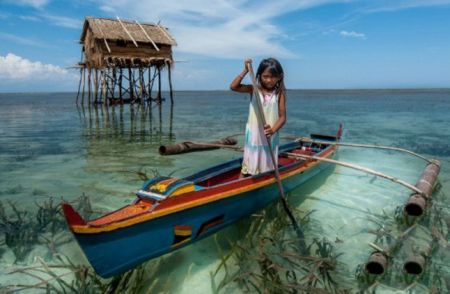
(171, 213)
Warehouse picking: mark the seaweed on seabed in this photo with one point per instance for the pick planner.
(268, 260)
(19, 233)
(23, 230)
(67, 277)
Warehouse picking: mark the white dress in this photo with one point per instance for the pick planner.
(257, 158)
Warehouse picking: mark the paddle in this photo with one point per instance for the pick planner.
(262, 122)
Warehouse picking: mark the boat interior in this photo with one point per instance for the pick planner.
(163, 187)
(231, 171)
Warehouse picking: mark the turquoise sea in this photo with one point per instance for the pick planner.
(50, 149)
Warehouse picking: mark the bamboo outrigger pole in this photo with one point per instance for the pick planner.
(309, 140)
(262, 122)
(360, 168)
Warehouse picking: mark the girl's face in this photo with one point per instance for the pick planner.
(268, 80)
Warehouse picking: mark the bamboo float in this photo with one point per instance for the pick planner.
(190, 146)
(415, 264)
(379, 260)
(417, 203)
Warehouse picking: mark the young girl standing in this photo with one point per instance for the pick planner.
(272, 94)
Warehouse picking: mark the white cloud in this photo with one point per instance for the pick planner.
(16, 68)
(389, 5)
(64, 21)
(218, 28)
(352, 34)
(21, 40)
(34, 3)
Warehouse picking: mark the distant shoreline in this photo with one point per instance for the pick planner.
(398, 90)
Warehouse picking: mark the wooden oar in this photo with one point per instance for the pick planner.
(262, 122)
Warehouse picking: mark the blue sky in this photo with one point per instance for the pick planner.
(321, 44)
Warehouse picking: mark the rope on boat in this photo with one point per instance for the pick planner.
(360, 168)
(309, 140)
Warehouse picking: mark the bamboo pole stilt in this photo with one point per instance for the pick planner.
(79, 85)
(114, 82)
(141, 85)
(84, 84)
(104, 89)
(170, 82)
(120, 85)
(89, 85)
(159, 85)
(130, 75)
(96, 80)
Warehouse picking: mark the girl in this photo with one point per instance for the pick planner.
(272, 95)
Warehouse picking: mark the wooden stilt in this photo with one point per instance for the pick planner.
(150, 86)
(159, 85)
(96, 77)
(142, 85)
(107, 86)
(170, 82)
(89, 85)
(100, 82)
(130, 75)
(104, 89)
(84, 84)
(114, 82)
(120, 86)
(79, 85)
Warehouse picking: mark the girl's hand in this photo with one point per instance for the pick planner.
(268, 131)
(247, 63)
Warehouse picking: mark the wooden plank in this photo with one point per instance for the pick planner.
(126, 31)
(148, 37)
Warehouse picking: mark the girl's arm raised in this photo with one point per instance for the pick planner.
(236, 83)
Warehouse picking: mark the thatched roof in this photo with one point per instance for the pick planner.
(110, 29)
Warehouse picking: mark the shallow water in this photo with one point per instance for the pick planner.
(49, 148)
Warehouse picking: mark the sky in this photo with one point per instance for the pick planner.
(321, 44)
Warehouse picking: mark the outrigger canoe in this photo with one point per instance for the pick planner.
(170, 213)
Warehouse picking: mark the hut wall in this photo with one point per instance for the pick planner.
(96, 51)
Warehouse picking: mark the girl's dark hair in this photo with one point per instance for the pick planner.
(275, 69)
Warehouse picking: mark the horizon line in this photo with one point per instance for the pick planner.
(293, 89)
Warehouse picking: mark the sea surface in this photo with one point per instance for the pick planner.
(50, 150)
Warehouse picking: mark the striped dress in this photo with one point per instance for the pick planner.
(257, 158)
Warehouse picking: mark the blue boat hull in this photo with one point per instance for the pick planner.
(116, 251)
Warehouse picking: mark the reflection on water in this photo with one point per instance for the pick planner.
(50, 149)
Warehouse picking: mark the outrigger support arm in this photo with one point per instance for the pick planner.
(360, 168)
(309, 140)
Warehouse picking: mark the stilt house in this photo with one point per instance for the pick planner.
(123, 60)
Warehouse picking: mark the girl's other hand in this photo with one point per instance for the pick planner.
(268, 131)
